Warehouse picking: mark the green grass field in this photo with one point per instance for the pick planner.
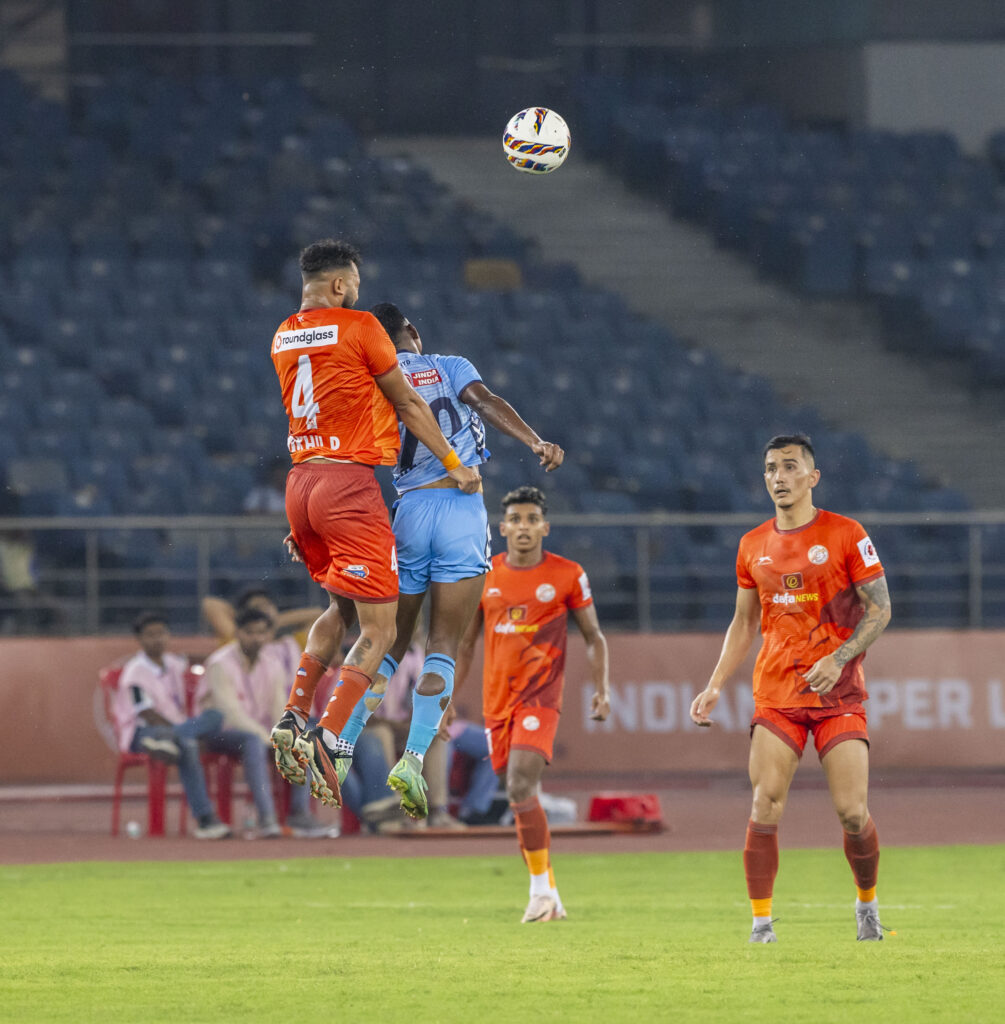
(649, 938)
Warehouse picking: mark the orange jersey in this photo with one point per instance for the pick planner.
(327, 360)
(526, 613)
(806, 581)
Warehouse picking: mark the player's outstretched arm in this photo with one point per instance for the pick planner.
(421, 423)
(466, 649)
(498, 413)
(597, 656)
(875, 597)
(740, 635)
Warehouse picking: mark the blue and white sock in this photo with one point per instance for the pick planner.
(427, 711)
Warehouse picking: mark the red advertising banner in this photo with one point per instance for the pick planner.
(937, 700)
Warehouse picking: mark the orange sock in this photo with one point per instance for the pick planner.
(862, 851)
(309, 672)
(533, 835)
(351, 685)
(760, 865)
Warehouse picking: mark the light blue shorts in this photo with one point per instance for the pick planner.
(442, 536)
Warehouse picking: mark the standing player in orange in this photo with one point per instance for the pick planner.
(344, 393)
(813, 583)
(525, 604)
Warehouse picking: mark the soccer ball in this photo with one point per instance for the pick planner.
(536, 140)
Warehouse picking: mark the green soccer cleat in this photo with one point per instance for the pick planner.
(406, 779)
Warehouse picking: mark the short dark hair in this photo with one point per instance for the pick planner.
(788, 440)
(327, 254)
(246, 616)
(525, 495)
(390, 317)
(147, 618)
(249, 594)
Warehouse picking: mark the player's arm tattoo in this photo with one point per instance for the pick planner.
(876, 597)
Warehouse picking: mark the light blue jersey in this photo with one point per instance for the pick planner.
(439, 380)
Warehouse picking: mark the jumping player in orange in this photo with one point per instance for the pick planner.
(525, 603)
(344, 393)
(814, 585)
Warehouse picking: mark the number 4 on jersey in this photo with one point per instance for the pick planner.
(302, 400)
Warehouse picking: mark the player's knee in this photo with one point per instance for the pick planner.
(429, 685)
(853, 820)
(519, 788)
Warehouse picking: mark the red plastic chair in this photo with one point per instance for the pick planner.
(108, 679)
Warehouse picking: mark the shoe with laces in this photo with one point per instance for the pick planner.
(406, 779)
(328, 772)
(540, 908)
(161, 749)
(212, 829)
(763, 933)
(285, 734)
(869, 928)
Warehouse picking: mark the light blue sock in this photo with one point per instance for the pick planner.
(361, 713)
(427, 711)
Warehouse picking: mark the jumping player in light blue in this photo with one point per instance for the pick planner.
(442, 539)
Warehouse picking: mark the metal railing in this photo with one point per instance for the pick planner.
(649, 571)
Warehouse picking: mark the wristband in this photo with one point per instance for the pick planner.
(451, 461)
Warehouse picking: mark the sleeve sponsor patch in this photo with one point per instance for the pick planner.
(584, 586)
(430, 376)
(868, 552)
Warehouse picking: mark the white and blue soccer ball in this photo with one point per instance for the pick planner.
(536, 140)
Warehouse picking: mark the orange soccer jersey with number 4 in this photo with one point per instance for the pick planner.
(526, 616)
(327, 360)
(805, 579)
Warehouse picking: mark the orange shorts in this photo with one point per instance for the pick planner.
(829, 726)
(339, 520)
(528, 728)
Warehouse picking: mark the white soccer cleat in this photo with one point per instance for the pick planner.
(540, 908)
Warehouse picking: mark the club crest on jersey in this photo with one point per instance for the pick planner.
(517, 614)
(359, 571)
(793, 581)
(545, 593)
(818, 554)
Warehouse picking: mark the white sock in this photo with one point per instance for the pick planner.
(553, 892)
(539, 885)
(871, 905)
(759, 921)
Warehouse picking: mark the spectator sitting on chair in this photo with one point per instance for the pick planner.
(246, 682)
(151, 717)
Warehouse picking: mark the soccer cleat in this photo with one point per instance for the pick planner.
(763, 933)
(869, 928)
(161, 750)
(540, 908)
(327, 771)
(406, 779)
(560, 914)
(212, 830)
(289, 761)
